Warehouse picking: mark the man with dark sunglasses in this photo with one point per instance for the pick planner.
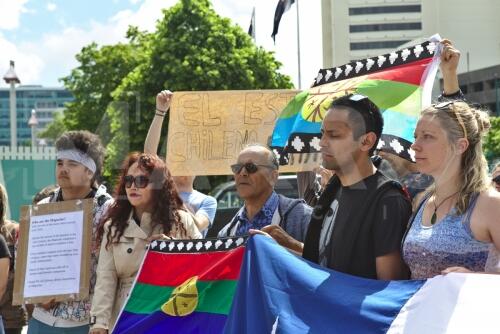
(255, 175)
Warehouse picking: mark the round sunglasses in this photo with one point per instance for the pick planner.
(140, 181)
(250, 167)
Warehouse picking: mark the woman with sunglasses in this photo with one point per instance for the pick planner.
(456, 223)
(147, 207)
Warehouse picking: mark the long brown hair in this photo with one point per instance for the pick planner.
(166, 200)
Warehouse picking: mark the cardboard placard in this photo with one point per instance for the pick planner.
(207, 130)
(53, 255)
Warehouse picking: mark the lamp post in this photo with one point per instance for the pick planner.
(11, 79)
(33, 122)
(497, 87)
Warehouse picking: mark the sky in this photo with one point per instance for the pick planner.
(43, 37)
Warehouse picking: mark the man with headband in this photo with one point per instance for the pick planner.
(80, 156)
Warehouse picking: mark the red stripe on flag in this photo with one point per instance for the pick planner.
(410, 73)
(167, 269)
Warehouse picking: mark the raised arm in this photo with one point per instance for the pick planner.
(450, 58)
(163, 100)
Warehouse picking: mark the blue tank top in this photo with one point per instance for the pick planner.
(428, 250)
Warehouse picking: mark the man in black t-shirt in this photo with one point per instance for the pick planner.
(4, 271)
(359, 221)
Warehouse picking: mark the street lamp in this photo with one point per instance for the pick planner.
(11, 79)
(497, 86)
(33, 122)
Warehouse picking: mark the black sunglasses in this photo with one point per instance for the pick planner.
(496, 179)
(249, 166)
(141, 181)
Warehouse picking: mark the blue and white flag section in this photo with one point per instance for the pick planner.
(279, 292)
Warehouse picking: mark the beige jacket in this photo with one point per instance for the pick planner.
(119, 264)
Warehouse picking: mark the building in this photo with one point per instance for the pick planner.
(45, 100)
(483, 87)
(357, 29)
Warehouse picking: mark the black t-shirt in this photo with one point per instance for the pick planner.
(4, 250)
(383, 224)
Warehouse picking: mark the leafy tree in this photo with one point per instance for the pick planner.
(101, 70)
(192, 49)
(491, 144)
(55, 129)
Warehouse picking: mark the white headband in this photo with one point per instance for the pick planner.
(78, 156)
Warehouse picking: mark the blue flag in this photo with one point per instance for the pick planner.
(279, 292)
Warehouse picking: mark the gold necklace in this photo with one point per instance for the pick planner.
(436, 207)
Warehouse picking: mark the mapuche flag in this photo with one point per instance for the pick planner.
(183, 286)
(399, 83)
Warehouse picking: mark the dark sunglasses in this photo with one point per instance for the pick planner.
(249, 166)
(496, 179)
(141, 181)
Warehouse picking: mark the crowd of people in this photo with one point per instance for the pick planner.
(404, 221)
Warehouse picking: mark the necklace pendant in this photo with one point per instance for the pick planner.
(433, 218)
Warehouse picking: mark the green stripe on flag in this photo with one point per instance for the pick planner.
(396, 96)
(295, 105)
(214, 297)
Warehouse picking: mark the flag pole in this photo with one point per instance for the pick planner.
(298, 43)
(254, 19)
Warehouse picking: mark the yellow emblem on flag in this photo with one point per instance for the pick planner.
(183, 300)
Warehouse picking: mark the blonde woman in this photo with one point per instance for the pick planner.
(457, 221)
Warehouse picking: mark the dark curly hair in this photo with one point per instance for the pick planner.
(86, 142)
(166, 199)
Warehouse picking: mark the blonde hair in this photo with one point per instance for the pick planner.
(460, 120)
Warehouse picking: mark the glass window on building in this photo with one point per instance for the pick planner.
(376, 45)
(490, 84)
(385, 10)
(385, 27)
(478, 86)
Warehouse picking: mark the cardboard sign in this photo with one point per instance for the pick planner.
(53, 256)
(207, 130)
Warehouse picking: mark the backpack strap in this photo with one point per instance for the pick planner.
(284, 217)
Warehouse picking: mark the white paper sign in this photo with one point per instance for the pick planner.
(54, 254)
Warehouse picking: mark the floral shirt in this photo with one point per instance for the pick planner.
(78, 310)
(263, 218)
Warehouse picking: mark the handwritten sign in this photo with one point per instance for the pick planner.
(207, 130)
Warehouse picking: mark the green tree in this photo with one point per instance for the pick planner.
(55, 129)
(491, 144)
(192, 49)
(101, 70)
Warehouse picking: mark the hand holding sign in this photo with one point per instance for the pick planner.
(163, 100)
